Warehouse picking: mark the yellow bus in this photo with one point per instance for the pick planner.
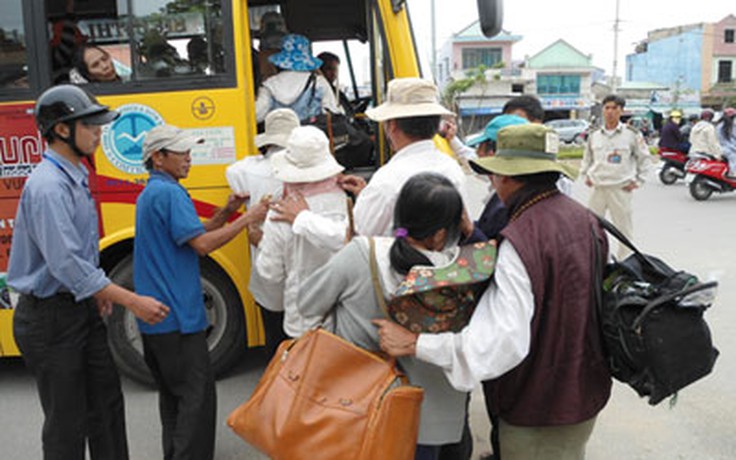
(191, 63)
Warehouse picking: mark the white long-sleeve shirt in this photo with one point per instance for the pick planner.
(498, 336)
(374, 208)
(288, 257)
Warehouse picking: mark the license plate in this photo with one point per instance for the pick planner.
(689, 177)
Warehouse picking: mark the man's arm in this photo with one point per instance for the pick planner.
(215, 239)
(587, 160)
(60, 243)
(643, 158)
(146, 308)
(234, 202)
(322, 231)
(495, 341)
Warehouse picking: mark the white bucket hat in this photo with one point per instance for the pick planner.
(307, 157)
(168, 137)
(406, 98)
(279, 124)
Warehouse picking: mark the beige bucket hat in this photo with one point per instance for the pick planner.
(408, 97)
(279, 124)
(307, 157)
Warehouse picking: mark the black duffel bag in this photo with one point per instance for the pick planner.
(351, 147)
(651, 318)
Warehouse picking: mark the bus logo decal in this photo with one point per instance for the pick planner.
(122, 140)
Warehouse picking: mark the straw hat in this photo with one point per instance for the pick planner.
(524, 149)
(295, 54)
(279, 125)
(307, 157)
(406, 98)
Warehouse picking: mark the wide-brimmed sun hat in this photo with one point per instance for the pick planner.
(406, 98)
(307, 157)
(490, 132)
(279, 124)
(295, 54)
(168, 137)
(524, 149)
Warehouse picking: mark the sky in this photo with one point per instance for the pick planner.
(585, 24)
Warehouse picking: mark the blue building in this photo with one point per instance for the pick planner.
(670, 57)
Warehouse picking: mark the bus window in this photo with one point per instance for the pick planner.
(172, 39)
(146, 40)
(13, 53)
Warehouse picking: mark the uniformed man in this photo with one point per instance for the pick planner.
(614, 163)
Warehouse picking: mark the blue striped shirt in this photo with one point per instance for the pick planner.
(55, 244)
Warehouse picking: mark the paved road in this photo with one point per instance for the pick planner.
(688, 234)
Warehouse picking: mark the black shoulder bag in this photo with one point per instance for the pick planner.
(651, 319)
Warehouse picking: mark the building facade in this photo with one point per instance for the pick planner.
(560, 75)
(697, 62)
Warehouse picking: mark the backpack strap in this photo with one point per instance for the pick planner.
(351, 219)
(610, 228)
(598, 285)
(374, 276)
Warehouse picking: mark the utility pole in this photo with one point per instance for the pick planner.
(434, 46)
(615, 48)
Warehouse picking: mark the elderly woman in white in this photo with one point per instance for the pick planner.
(292, 250)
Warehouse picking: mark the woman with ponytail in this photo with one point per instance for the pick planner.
(427, 220)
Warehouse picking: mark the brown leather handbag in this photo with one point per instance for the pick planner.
(323, 398)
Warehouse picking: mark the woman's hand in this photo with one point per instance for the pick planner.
(395, 340)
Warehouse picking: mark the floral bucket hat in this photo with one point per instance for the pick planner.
(442, 299)
(295, 54)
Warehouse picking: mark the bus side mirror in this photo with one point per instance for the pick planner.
(490, 13)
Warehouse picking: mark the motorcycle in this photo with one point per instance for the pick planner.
(673, 165)
(706, 174)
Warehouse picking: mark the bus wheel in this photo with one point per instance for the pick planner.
(225, 334)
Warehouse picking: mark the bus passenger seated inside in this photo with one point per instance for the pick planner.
(135, 40)
(94, 64)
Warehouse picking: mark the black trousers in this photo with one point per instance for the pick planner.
(180, 364)
(64, 343)
(273, 326)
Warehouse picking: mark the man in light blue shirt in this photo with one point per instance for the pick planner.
(54, 265)
(169, 238)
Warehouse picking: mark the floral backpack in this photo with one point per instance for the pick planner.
(442, 299)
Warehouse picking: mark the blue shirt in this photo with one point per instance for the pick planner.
(55, 244)
(165, 266)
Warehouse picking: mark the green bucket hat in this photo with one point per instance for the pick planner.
(524, 149)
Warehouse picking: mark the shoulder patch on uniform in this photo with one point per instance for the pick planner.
(631, 128)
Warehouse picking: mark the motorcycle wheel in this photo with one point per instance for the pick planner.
(700, 190)
(668, 175)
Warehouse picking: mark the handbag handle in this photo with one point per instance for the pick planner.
(374, 276)
(664, 299)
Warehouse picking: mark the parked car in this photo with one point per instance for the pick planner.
(570, 131)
